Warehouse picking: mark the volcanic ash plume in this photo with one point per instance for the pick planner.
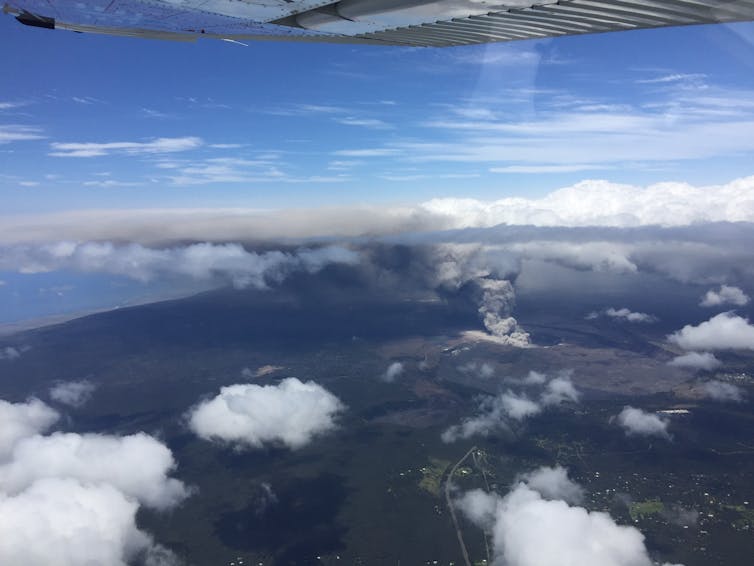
(497, 302)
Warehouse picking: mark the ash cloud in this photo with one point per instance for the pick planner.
(588, 203)
(554, 483)
(496, 305)
(291, 413)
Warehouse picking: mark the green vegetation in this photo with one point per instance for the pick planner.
(432, 476)
(746, 521)
(641, 509)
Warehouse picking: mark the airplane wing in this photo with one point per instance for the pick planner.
(420, 23)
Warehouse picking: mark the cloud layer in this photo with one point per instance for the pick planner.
(291, 413)
(588, 203)
(230, 262)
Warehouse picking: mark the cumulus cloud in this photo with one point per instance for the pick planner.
(9, 353)
(61, 522)
(73, 393)
(724, 295)
(638, 422)
(21, 420)
(554, 483)
(560, 390)
(393, 371)
(601, 203)
(501, 411)
(291, 413)
(623, 314)
(528, 529)
(483, 369)
(721, 391)
(199, 261)
(71, 499)
(494, 413)
(696, 360)
(136, 465)
(534, 378)
(725, 331)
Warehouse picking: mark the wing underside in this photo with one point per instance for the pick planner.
(419, 23)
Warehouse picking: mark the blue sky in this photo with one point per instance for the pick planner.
(215, 124)
(92, 122)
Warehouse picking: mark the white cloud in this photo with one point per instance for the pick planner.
(589, 203)
(623, 314)
(366, 152)
(155, 146)
(696, 360)
(638, 422)
(16, 132)
(73, 393)
(291, 413)
(518, 407)
(21, 420)
(61, 522)
(535, 378)
(198, 261)
(725, 295)
(724, 331)
(721, 391)
(9, 352)
(537, 169)
(393, 371)
(673, 78)
(529, 530)
(372, 123)
(602, 203)
(560, 390)
(483, 369)
(137, 465)
(496, 304)
(499, 412)
(71, 499)
(554, 483)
